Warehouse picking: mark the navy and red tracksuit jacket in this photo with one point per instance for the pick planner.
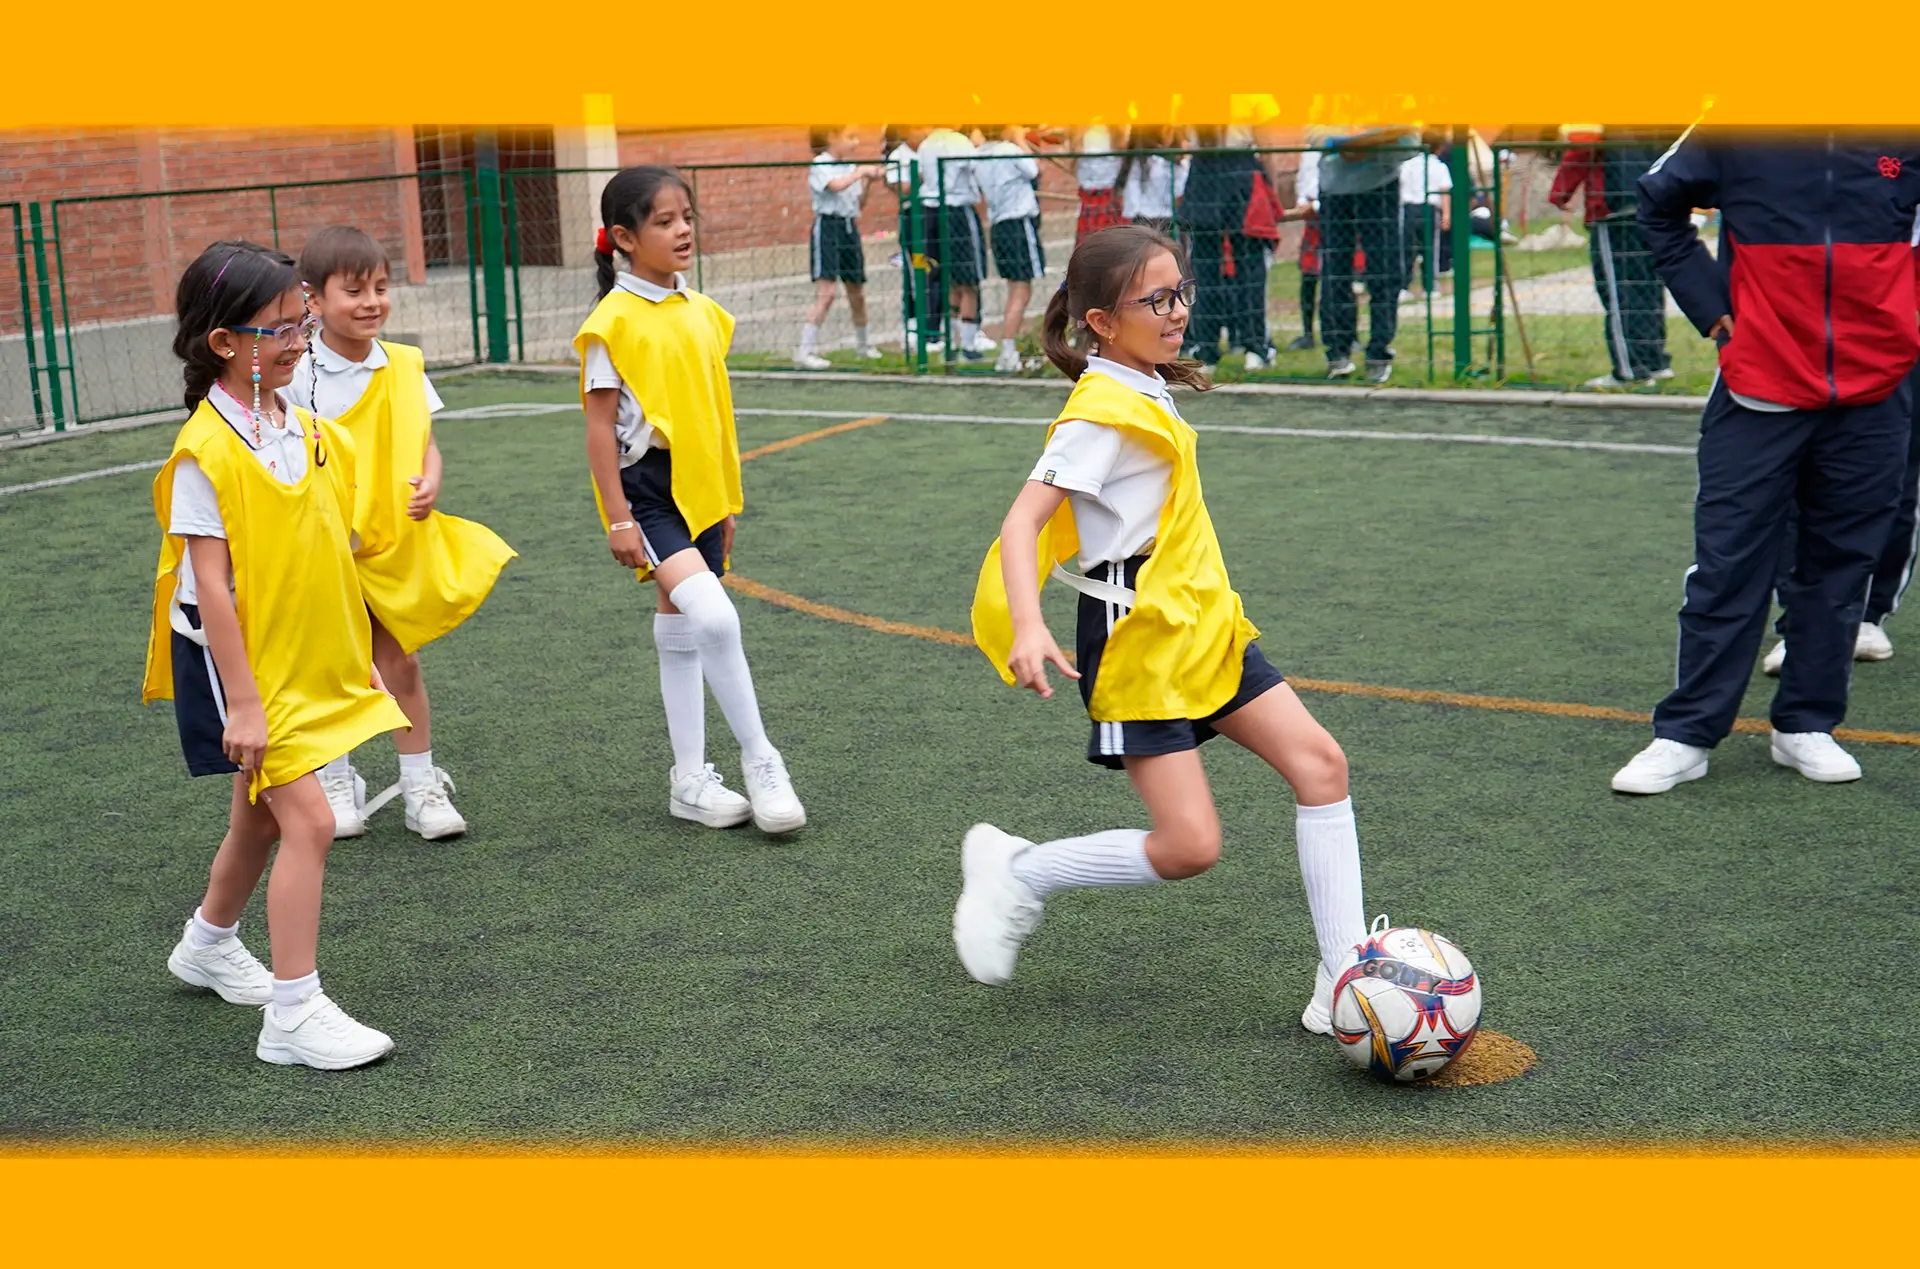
(1816, 263)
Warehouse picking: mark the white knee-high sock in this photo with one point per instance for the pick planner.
(1117, 857)
(681, 691)
(716, 629)
(1329, 845)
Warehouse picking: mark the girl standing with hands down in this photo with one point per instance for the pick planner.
(1167, 659)
(261, 639)
(666, 474)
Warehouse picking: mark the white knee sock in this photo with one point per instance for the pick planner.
(966, 328)
(340, 767)
(716, 627)
(681, 690)
(860, 338)
(809, 339)
(1329, 845)
(1117, 857)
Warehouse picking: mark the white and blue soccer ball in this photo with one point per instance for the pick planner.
(1406, 1002)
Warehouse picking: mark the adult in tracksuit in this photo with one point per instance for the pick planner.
(1812, 301)
(1631, 297)
(1229, 266)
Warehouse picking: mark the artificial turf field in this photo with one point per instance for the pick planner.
(1720, 963)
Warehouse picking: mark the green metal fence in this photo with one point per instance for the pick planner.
(20, 404)
(105, 267)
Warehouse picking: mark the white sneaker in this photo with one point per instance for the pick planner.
(1255, 362)
(318, 1034)
(1317, 1017)
(997, 911)
(1661, 376)
(1872, 644)
(1775, 658)
(346, 794)
(1814, 755)
(226, 968)
(811, 361)
(1606, 383)
(776, 808)
(981, 344)
(1009, 361)
(870, 353)
(429, 813)
(1341, 369)
(703, 797)
(1660, 766)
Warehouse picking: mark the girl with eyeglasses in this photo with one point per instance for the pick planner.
(1166, 657)
(260, 637)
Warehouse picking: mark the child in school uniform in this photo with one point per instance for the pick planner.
(422, 572)
(955, 246)
(666, 476)
(1151, 183)
(1167, 658)
(1008, 175)
(260, 637)
(1096, 172)
(1306, 198)
(839, 190)
(903, 163)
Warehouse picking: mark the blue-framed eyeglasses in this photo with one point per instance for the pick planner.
(282, 335)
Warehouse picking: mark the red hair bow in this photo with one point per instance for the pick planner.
(602, 243)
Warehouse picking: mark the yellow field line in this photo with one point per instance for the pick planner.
(1335, 687)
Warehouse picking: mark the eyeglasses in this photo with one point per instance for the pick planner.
(282, 335)
(1162, 300)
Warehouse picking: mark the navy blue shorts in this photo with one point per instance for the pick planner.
(1112, 742)
(965, 261)
(199, 703)
(648, 485)
(1017, 255)
(834, 251)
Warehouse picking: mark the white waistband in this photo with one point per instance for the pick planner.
(1105, 592)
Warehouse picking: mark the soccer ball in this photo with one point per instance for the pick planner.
(1405, 1003)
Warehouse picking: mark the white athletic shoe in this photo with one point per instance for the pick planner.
(776, 808)
(1814, 755)
(811, 361)
(870, 353)
(1606, 383)
(1662, 375)
(318, 1034)
(1660, 766)
(703, 797)
(226, 968)
(1775, 658)
(346, 795)
(997, 911)
(1317, 1017)
(1255, 362)
(1009, 361)
(429, 812)
(1341, 369)
(1872, 644)
(981, 344)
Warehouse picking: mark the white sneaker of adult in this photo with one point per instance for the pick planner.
(346, 794)
(997, 911)
(1815, 755)
(429, 811)
(318, 1034)
(1317, 1017)
(811, 361)
(1775, 658)
(1341, 369)
(776, 808)
(1660, 766)
(1872, 644)
(703, 797)
(226, 968)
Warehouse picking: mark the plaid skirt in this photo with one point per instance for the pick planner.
(1099, 209)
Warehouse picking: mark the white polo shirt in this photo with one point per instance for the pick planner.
(196, 508)
(943, 157)
(834, 202)
(1117, 485)
(1102, 170)
(329, 385)
(1424, 178)
(630, 426)
(1008, 181)
(1152, 185)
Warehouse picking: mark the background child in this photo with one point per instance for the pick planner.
(666, 473)
(1007, 174)
(1151, 183)
(1167, 658)
(1096, 173)
(955, 246)
(255, 504)
(839, 191)
(903, 165)
(1306, 197)
(422, 572)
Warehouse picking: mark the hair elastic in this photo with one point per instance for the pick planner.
(602, 243)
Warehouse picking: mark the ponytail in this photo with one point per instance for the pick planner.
(603, 272)
(1057, 340)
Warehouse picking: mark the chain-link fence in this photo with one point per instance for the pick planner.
(1583, 304)
(20, 406)
(109, 264)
